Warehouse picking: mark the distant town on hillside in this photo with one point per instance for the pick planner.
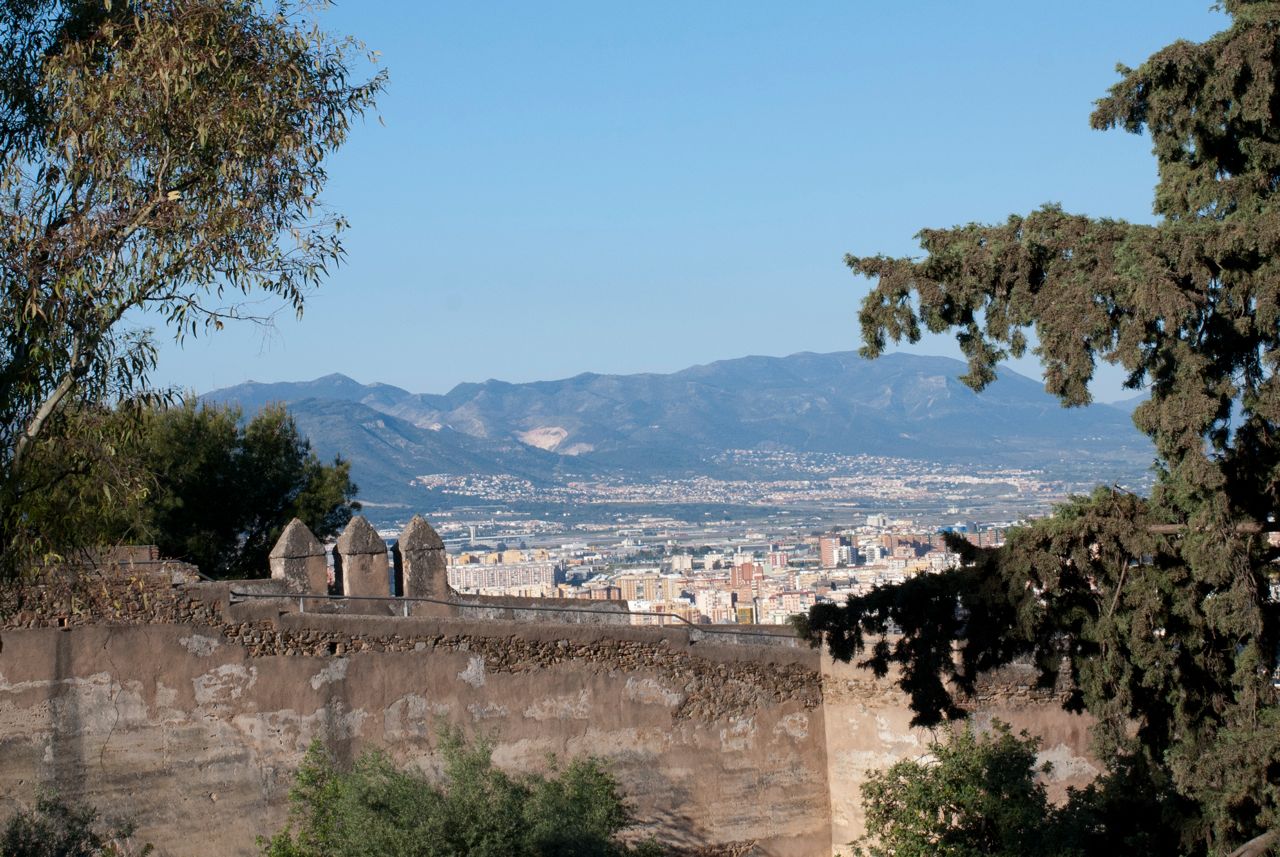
(819, 435)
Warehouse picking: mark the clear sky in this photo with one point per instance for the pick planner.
(565, 187)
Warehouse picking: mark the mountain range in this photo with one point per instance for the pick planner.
(647, 426)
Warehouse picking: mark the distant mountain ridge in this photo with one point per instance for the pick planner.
(655, 425)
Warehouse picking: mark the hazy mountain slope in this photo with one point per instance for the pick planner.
(253, 396)
(387, 453)
(649, 424)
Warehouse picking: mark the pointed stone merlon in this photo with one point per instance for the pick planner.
(298, 559)
(420, 562)
(360, 561)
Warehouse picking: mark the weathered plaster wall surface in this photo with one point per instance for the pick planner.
(191, 712)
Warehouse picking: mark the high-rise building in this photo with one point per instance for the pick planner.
(716, 605)
(742, 574)
(834, 550)
(650, 586)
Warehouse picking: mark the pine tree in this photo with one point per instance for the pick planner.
(1157, 607)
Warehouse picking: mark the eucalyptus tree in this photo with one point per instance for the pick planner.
(159, 160)
(1157, 608)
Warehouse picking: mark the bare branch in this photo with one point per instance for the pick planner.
(1259, 845)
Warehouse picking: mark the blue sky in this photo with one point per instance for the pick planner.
(567, 187)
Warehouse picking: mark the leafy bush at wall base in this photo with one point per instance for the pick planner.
(375, 810)
(57, 828)
(981, 794)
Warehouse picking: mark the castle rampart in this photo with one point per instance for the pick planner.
(189, 703)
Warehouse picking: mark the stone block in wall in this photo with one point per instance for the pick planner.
(298, 559)
(360, 561)
(420, 570)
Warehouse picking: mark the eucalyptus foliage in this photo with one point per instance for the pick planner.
(1157, 609)
(157, 157)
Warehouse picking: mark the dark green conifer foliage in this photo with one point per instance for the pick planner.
(1158, 608)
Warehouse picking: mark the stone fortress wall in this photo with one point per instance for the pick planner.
(187, 703)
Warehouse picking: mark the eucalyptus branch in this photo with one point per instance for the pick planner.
(47, 408)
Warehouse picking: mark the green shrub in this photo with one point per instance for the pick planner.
(974, 795)
(980, 794)
(57, 828)
(374, 809)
